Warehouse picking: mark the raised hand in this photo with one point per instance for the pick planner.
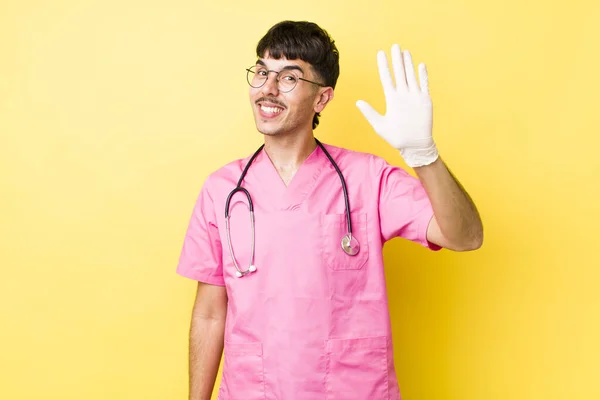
(407, 123)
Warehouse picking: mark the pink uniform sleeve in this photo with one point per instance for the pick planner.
(201, 256)
(404, 208)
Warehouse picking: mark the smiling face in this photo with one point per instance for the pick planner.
(277, 112)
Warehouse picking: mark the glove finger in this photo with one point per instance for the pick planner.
(423, 78)
(384, 73)
(411, 78)
(369, 112)
(398, 65)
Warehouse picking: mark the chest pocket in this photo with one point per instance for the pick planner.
(334, 228)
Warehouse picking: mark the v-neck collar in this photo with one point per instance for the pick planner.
(292, 196)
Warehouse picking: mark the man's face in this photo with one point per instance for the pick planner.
(276, 112)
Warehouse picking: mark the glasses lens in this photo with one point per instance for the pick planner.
(256, 76)
(287, 81)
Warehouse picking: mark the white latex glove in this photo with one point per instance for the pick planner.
(407, 123)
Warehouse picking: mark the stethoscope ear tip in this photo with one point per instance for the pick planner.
(239, 273)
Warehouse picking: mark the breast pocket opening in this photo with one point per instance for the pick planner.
(334, 229)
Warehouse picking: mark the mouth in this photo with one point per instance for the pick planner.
(269, 110)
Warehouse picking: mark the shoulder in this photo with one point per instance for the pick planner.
(374, 171)
(354, 159)
(224, 178)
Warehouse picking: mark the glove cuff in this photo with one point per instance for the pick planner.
(415, 157)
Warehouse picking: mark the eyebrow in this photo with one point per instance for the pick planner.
(287, 67)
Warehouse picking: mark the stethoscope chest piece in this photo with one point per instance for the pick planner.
(350, 245)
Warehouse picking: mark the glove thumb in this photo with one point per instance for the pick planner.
(369, 112)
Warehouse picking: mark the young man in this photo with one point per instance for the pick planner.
(286, 244)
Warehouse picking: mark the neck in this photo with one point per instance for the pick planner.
(288, 152)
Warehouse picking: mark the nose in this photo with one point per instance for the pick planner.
(270, 87)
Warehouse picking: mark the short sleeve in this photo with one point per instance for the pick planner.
(201, 255)
(404, 207)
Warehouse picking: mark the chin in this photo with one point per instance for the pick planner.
(269, 130)
(267, 133)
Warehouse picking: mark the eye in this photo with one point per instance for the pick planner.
(262, 72)
(288, 77)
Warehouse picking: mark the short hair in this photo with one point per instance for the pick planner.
(305, 41)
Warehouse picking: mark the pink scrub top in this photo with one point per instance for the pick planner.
(312, 322)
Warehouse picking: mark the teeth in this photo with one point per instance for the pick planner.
(271, 110)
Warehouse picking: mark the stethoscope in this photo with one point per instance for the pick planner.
(349, 243)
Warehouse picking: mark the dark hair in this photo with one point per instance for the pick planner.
(305, 41)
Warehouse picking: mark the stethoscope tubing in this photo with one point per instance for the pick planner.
(239, 188)
(344, 189)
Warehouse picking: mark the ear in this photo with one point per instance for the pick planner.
(324, 96)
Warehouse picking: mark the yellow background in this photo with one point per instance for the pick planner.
(112, 113)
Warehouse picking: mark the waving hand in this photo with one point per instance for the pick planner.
(407, 123)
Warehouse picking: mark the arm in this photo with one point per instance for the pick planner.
(456, 224)
(206, 339)
(407, 126)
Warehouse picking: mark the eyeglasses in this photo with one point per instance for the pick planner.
(286, 79)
